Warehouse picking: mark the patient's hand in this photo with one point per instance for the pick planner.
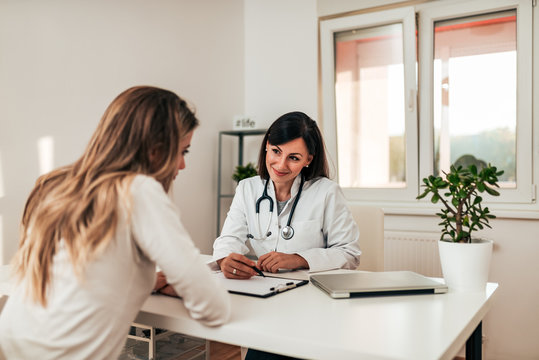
(160, 281)
(168, 290)
(161, 285)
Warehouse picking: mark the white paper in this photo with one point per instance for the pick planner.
(257, 285)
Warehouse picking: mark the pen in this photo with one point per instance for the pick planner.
(282, 288)
(258, 271)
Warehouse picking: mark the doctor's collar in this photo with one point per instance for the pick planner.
(293, 190)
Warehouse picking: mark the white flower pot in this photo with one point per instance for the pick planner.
(465, 266)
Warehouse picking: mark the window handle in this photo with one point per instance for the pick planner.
(411, 100)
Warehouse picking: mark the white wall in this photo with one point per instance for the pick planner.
(332, 7)
(281, 65)
(63, 61)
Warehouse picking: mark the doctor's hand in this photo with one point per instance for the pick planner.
(273, 261)
(237, 266)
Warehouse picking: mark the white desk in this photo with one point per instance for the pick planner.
(307, 323)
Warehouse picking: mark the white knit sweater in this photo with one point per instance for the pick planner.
(90, 319)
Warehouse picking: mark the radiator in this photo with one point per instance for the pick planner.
(415, 251)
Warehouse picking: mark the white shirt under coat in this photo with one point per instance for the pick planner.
(325, 233)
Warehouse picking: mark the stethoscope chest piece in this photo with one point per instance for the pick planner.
(287, 232)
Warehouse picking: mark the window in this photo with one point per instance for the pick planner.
(466, 64)
(474, 102)
(371, 82)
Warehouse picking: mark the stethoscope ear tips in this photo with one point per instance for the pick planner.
(268, 234)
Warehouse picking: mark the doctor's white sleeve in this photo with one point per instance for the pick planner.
(235, 228)
(341, 233)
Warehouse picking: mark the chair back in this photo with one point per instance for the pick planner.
(370, 220)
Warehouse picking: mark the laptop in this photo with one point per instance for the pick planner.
(355, 284)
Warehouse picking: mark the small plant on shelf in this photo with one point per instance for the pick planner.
(459, 192)
(244, 172)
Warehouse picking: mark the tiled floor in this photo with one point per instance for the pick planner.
(171, 347)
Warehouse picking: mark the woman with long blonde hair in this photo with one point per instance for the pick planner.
(93, 232)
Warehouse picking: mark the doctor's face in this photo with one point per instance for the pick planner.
(284, 162)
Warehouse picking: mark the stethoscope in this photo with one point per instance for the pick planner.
(287, 232)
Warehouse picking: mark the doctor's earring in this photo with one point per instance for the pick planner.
(307, 165)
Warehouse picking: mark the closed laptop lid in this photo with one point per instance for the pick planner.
(344, 285)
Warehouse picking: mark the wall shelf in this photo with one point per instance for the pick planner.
(240, 134)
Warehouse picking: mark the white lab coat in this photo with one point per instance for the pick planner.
(325, 234)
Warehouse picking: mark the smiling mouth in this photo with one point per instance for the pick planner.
(278, 173)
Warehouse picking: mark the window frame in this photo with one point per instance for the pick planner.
(421, 147)
(523, 193)
(406, 17)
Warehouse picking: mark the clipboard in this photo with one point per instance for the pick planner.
(258, 286)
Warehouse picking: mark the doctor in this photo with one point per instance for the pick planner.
(292, 214)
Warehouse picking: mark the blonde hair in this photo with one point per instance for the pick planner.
(139, 133)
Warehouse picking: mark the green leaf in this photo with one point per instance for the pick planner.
(244, 172)
(462, 187)
(492, 191)
(423, 195)
(481, 187)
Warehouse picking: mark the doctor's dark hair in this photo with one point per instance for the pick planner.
(291, 126)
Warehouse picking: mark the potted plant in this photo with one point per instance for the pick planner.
(243, 172)
(465, 259)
